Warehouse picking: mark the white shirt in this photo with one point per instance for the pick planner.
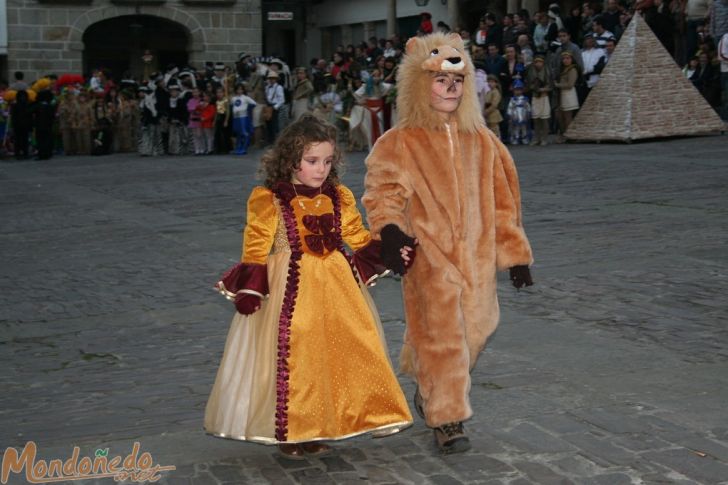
(334, 99)
(591, 57)
(274, 95)
(480, 37)
(723, 53)
(240, 105)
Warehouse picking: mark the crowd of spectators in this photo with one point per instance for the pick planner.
(533, 72)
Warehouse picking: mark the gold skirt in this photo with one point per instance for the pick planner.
(341, 383)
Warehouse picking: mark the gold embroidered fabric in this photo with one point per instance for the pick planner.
(280, 240)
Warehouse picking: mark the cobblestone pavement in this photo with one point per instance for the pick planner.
(613, 369)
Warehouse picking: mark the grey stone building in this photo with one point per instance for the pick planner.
(75, 36)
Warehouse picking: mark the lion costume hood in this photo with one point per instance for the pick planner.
(424, 56)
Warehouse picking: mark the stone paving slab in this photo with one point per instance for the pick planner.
(611, 370)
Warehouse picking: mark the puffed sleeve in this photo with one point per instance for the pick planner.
(251, 274)
(367, 258)
(387, 189)
(512, 246)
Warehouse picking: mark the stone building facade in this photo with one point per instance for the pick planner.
(75, 36)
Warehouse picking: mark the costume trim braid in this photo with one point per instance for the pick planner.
(284, 323)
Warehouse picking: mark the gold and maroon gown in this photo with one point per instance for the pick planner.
(312, 363)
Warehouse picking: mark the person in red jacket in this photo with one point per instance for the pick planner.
(207, 122)
(426, 23)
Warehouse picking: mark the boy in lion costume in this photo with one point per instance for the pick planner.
(441, 181)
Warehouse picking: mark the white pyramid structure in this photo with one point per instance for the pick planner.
(642, 93)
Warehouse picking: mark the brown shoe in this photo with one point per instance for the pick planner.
(419, 403)
(451, 438)
(316, 448)
(291, 451)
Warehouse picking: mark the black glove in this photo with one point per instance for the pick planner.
(521, 276)
(393, 240)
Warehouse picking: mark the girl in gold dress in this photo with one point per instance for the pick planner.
(305, 358)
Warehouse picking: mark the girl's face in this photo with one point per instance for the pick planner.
(491, 83)
(566, 60)
(239, 90)
(446, 92)
(315, 164)
(195, 93)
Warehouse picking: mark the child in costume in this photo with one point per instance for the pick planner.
(305, 358)
(150, 138)
(538, 79)
(193, 123)
(568, 98)
(178, 119)
(519, 115)
(242, 124)
(440, 178)
(493, 98)
(222, 121)
(207, 123)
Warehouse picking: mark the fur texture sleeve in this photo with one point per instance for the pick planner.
(387, 188)
(512, 246)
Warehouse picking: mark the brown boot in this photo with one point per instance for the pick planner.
(291, 451)
(451, 438)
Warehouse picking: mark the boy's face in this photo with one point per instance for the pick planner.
(315, 164)
(446, 92)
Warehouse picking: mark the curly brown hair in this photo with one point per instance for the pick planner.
(279, 162)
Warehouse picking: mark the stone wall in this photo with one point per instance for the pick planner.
(47, 36)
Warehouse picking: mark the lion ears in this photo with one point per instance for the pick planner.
(450, 38)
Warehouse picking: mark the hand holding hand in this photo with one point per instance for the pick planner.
(398, 249)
